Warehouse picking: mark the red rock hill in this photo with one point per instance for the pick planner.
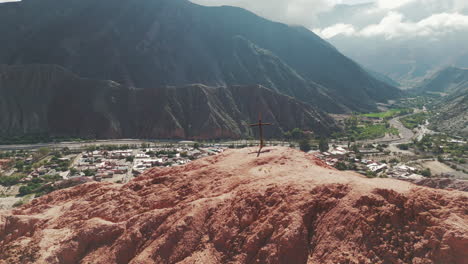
(284, 207)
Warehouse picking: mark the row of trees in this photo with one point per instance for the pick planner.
(304, 140)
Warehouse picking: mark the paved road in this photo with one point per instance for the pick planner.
(80, 145)
(406, 135)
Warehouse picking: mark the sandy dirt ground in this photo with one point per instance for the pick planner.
(439, 168)
(8, 202)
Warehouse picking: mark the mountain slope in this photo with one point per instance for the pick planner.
(49, 99)
(452, 109)
(283, 207)
(151, 43)
(449, 80)
(452, 115)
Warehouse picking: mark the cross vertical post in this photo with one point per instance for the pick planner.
(260, 127)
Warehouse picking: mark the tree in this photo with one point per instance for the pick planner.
(89, 172)
(91, 148)
(44, 151)
(297, 134)
(323, 145)
(11, 180)
(25, 190)
(440, 158)
(66, 150)
(426, 173)
(351, 139)
(73, 171)
(19, 165)
(304, 145)
(351, 123)
(403, 146)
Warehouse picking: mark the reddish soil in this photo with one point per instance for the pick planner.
(4, 163)
(284, 207)
(442, 183)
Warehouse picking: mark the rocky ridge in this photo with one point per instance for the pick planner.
(51, 100)
(284, 207)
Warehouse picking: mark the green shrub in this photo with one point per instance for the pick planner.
(403, 146)
(304, 145)
(11, 180)
(323, 145)
(341, 166)
(371, 174)
(426, 173)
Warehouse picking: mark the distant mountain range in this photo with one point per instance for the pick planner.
(450, 80)
(407, 59)
(452, 110)
(49, 99)
(156, 43)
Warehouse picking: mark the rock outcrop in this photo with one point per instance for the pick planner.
(442, 183)
(284, 207)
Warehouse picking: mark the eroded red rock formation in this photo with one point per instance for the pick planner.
(284, 207)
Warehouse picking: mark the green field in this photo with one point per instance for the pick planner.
(373, 132)
(414, 121)
(368, 131)
(388, 114)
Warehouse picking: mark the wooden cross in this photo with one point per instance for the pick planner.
(260, 127)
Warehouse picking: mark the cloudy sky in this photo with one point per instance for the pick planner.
(389, 19)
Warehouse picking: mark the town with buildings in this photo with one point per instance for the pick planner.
(435, 156)
(381, 153)
(29, 174)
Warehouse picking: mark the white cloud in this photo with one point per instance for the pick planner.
(6, 1)
(394, 25)
(393, 4)
(299, 12)
(338, 29)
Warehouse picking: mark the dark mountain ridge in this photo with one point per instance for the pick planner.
(154, 43)
(49, 99)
